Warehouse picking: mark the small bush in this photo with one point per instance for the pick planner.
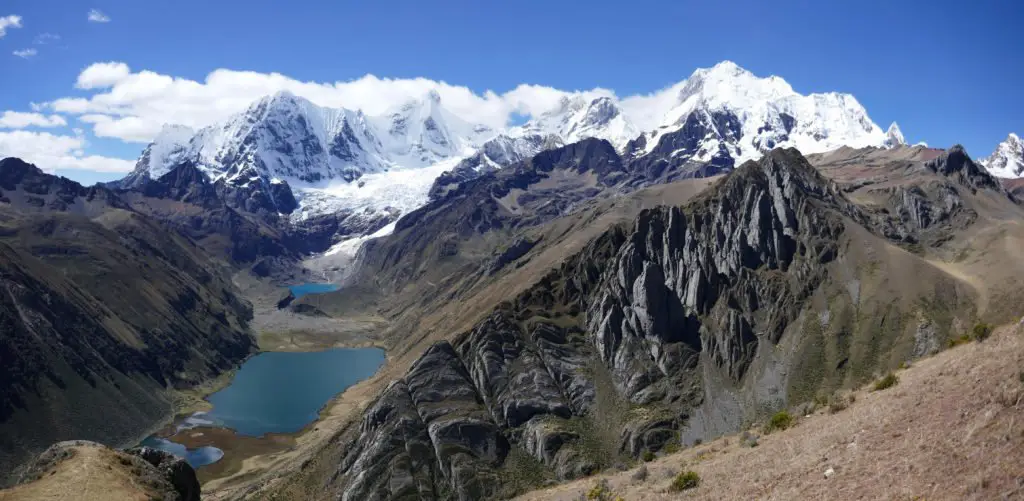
(671, 448)
(685, 481)
(953, 343)
(838, 404)
(601, 491)
(886, 382)
(780, 421)
(981, 331)
(640, 474)
(749, 439)
(647, 456)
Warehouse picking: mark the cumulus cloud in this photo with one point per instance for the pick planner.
(26, 53)
(9, 22)
(51, 152)
(95, 16)
(102, 75)
(133, 106)
(20, 120)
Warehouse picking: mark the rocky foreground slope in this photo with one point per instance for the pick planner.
(89, 471)
(950, 429)
(773, 287)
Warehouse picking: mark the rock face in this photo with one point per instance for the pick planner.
(685, 325)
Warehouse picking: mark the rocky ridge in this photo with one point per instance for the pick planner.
(647, 327)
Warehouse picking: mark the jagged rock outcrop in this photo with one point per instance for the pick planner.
(618, 350)
(514, 251)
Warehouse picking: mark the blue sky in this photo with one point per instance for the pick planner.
(946, 71)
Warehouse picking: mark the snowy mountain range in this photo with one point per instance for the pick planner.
(1008, 158)
(339, 158)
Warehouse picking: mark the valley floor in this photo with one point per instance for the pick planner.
(953, 428)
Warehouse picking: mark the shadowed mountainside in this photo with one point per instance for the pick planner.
(104, 312)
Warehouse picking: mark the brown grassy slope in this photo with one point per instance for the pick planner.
(953, 428)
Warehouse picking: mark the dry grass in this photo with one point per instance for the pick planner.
(90, 474)
(952, 429)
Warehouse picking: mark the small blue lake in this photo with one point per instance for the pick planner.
(201, 456)
(277, 392)
(311, 288)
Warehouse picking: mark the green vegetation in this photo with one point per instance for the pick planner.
(886, 382)
(953, 343)
(647, 456)
(522, 473)
(685, 481)
(981, 331)
(673, 446)
(780, 421)
(601, 491)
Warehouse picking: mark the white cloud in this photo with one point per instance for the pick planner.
(95, 16)
(133, 106)
(20, 120)
(26, 53)
(102, 75)
(50, 152)
(9, 22)
(45, 38)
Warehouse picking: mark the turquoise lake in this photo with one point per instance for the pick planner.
(311, 288)
(277, 392)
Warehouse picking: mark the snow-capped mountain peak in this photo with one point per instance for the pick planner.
(578, 117)
(746, 115)
(1008, 158)
(421, 132)
(894, 136)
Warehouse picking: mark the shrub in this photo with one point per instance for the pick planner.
(647, 456)
(641, 474)
(685, 481)
(671, 448)
(838, 403)
(953, 343)
(981, 331)
(749, 439)
(601, 491)
(780, 421)
(886, 382)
